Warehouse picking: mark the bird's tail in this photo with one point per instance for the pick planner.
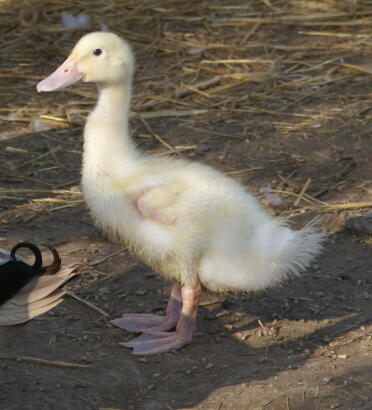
(299, 248)
(285, 252)
(302, 249)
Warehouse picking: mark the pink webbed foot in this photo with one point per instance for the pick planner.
(153, 342)
(159, 342)
(139, 322)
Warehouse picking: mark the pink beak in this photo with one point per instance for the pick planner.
(65, 75)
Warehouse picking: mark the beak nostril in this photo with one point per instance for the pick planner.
(66, 70)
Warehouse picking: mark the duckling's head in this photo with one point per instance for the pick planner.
(99, 57)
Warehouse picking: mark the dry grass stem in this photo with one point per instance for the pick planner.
(105, 258)
(43, 361)
(89, 304)
(302, 192)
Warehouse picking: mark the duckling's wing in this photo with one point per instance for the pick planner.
(157, 203)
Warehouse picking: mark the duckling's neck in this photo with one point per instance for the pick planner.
(107, 144)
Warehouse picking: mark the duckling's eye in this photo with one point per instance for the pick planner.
(97, 52)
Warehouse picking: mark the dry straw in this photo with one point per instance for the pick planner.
(197, 62)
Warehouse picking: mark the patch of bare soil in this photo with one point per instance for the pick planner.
(275, 93)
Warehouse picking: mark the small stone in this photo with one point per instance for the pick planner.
(140, 292)
(104, 291)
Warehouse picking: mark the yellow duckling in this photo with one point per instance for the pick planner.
(190, 222)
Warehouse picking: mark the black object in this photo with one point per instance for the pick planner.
(15, 274)
(360, 224)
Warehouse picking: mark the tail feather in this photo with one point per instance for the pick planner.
(43, 286)
(301, 250)
(14, 315)
(307, 244)
(37, 297)
(283, 252)
(272, 253)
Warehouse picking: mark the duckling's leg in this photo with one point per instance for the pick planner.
(139, 322)
(152, 342)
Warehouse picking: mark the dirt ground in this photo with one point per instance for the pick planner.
(285, 103)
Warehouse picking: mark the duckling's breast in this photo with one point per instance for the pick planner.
(117, 215)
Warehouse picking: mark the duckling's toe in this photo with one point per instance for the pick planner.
(137, 322)
(160, 342)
